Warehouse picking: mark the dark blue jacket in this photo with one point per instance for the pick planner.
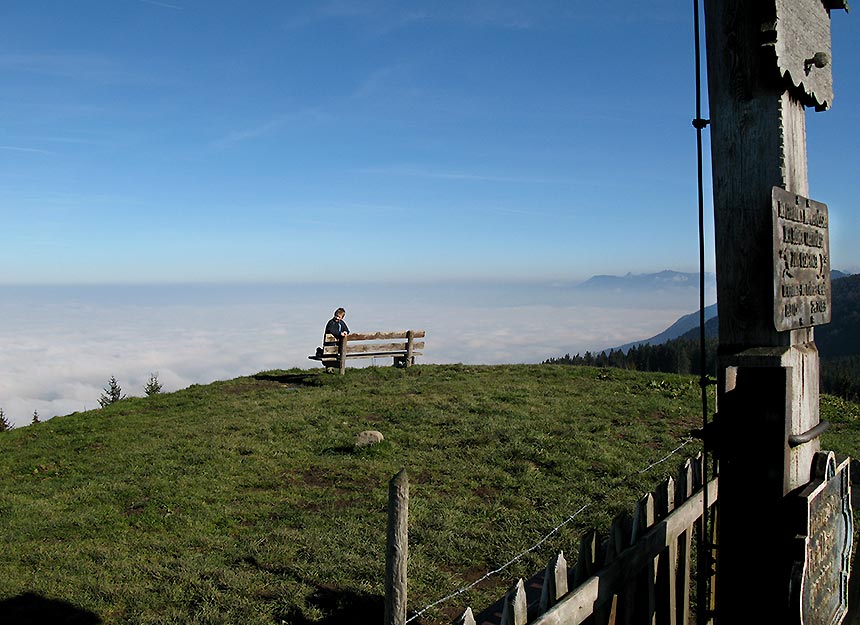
(336, 327)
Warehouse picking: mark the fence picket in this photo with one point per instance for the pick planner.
(664, 498)
(643, 517)
(515, 611)
(666, 563)
(698, 475)
(640, 595)
(589, 558)
(619, 536)
(467, 618)
(554, 582)
(684, 489)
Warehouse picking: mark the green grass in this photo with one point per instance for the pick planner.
(245, 501)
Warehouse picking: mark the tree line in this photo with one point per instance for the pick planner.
(675, 356)
(839, 376)
(111, 394)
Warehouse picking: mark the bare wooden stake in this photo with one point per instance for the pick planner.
(397, 549)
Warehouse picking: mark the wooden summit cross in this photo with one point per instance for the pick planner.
(767, 61)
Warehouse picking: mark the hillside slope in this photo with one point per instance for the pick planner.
(245, 501)
(840, 337)
(683, 327)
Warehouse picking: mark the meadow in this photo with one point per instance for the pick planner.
(246, 500)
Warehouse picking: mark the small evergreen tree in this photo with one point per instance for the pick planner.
(112, 393)
(153, 387)
(5, 424)
(35, 417)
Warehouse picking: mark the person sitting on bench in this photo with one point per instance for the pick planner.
(337, 326)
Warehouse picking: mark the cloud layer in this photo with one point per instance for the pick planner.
(61, 345)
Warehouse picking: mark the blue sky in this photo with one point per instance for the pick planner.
(191, 140)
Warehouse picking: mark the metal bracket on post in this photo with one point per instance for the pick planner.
(799, 439)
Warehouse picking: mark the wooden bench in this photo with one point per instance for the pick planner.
(334, 352)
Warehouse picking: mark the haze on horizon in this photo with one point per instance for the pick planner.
(62, 344)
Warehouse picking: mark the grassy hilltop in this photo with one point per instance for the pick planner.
(245, 501)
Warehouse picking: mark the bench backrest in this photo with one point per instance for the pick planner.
(375, 343)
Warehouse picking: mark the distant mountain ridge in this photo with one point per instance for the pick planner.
(647, 281)
(840, 337)
(688, 324)
(838, 344)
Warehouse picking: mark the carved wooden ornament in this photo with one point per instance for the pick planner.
(800, 39)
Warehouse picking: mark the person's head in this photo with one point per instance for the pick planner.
(339, 313)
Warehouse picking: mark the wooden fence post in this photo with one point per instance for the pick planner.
(342, 354)
(409, 348)
(397, 549)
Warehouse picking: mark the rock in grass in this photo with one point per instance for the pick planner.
(368, 437)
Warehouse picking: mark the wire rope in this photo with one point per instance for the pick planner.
(704, 546)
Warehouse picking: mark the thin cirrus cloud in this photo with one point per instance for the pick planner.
(269, 127)
(15, 148)
(78, 66)
(165, 5)
(419, 172)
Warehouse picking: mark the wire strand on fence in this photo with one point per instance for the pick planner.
(549, 534)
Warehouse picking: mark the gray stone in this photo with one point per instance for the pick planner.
(368, 437)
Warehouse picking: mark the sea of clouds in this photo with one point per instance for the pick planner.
(60, 345)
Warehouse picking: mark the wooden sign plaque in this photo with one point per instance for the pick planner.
(819, 577)
(801, 256)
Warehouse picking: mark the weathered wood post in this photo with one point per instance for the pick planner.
(409, 348)
(342, 353)
(397, 549)
(767, 61)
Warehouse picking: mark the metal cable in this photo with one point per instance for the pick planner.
(700, 124)
(549, 534)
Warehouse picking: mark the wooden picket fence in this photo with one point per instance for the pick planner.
(640, 573)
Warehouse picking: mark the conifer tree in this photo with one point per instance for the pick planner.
(153, 387)
(112, 393)
(5, 424)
